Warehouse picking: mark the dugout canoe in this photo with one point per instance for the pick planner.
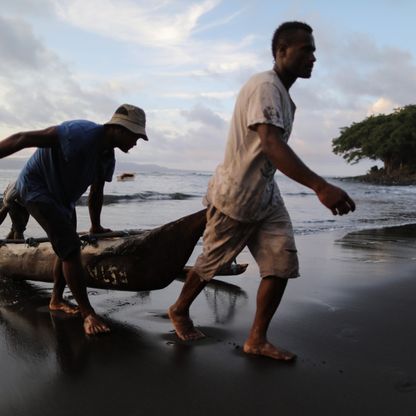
(136, 260)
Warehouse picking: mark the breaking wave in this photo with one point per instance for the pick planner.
(140, 197)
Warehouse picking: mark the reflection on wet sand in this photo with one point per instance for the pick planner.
(33, 332)
(224, 299)
(380, 245)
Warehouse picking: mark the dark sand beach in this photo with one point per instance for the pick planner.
(350, 318)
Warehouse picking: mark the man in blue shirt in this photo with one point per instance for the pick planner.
(71, 157)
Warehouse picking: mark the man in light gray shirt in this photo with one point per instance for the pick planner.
(245, 207)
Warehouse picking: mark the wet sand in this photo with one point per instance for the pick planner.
(350, 319)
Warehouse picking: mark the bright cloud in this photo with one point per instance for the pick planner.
(382, 106)
(155, 24)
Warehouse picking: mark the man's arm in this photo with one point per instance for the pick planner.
(36, 138)
(285, 159)
(95, 203)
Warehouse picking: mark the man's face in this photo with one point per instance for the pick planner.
(298, 57)
(126, 139)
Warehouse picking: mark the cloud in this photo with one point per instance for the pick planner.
(206, 117)
(165, 32)
(156, 24)
(358, 67)
(382, 106)
(28, 7)
(37, 88)
(222, 21)
(191, 139)
(210, 95)
(20, 50)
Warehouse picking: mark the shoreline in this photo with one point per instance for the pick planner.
(384, 180)
(348, 317)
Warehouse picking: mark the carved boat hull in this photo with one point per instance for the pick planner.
(147, 260)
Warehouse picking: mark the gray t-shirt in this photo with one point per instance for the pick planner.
(243, 186)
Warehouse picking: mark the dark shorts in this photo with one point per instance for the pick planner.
(60, 227)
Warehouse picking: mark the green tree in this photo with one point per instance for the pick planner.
(390, 138)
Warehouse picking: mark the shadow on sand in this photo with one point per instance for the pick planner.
(34, 332)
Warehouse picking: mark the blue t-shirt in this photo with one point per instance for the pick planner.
(64, 172)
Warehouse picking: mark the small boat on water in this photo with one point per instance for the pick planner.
(124, 177)
(134, 260)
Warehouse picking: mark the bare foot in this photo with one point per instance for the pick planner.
(184, 327)
(63, 306)
(268, 350)
(94, 325)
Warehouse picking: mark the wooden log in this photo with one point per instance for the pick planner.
(147, 260)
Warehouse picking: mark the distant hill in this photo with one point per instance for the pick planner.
(16, 163)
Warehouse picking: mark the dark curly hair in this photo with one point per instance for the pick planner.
(284, 33)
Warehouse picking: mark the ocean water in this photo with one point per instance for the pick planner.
(158, 196)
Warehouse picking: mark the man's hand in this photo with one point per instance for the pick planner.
(334, 198)
(98, 229)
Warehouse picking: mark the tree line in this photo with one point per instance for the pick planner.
(390, 138)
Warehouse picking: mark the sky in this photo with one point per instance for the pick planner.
(184, 62)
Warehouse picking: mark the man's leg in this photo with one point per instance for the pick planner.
(179, 311)
(10, 235)
(269, 295)
(20, 217)
(57, 302)
(61, 231)
(224, 238)
(75, 278)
